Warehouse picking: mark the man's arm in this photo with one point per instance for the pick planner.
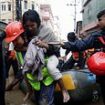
(80, 45)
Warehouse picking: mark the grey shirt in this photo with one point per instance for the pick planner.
(34, 60)
(46, 34)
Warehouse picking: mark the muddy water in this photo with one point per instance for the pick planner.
(15, 97)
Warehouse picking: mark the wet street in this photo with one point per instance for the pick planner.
(90, 103)
(15, 97)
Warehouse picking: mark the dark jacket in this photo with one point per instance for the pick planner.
(89, 42)
(2, 72)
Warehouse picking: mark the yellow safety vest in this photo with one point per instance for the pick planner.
(47, 79)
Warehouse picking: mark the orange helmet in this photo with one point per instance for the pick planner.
(96, 63)
(13, 30)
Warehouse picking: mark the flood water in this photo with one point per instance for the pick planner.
(15, 97)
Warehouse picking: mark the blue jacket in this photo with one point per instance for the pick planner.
(89, 42)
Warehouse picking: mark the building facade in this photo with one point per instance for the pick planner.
(49, 19)
(8, 8)
(90, 10)
(11, 10)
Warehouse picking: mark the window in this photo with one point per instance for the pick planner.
(25, 4)
(9, 6)
(3, 7)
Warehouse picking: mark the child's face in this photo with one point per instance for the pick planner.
(31, 26)
(101, 22)
(18, 42)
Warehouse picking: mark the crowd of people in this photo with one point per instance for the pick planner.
(35, 57)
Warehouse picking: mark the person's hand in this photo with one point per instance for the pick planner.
(62, 58)
(41, 43)
(61, 43)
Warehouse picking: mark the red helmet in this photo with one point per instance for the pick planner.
(96, 63)
(13, 30)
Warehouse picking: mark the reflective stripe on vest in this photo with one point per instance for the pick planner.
(47, 79)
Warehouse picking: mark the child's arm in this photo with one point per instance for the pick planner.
(41, 44)
(55, 73)
(66, 96)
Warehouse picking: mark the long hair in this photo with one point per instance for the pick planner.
(31, 15)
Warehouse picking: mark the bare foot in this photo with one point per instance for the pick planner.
(66, 96)
(26, 97)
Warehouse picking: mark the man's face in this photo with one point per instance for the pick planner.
(101, 22)
(31, 27)
(18, 42)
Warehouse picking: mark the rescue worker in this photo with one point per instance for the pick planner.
(2, 71)
(11, 60)
(14, 33)
(32, 25)
(92, 41)
(76, 57)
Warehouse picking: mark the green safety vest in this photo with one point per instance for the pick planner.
(20, 58)
(47, 79)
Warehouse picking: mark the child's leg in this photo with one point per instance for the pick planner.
(18, 78)
(55, 73)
